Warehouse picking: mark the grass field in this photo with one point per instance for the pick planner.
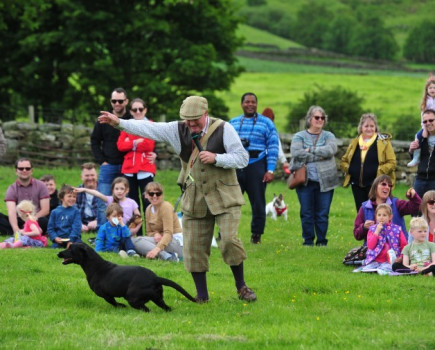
(306, 298)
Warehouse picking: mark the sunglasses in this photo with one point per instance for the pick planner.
(152, 194)
(24, 168)
(428, 121)
(137, 110)
(431, 202)
(117, 101)
(385, 184)
(318, 118)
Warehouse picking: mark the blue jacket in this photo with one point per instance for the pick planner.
(109, 237)
(65, 223)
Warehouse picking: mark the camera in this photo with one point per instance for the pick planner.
(245, 142)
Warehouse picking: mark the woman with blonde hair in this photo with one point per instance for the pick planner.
(369, 155)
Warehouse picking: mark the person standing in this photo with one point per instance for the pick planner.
(105, 150)
(27, 187)
(139, 162)
(260, 138)
(368, 156)
(425, 179)
(211, 192)
(315, 148)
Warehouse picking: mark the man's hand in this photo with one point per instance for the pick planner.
(413, 146)
(268, 177)
(207, 157)
(108, 118)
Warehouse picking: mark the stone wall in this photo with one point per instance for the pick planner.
(68, 145)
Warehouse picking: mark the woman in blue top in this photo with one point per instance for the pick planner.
(315, 148)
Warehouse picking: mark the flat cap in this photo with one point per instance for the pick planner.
(193, 107)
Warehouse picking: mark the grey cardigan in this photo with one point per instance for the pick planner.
(322, 154)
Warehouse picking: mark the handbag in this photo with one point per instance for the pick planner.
(297, 177)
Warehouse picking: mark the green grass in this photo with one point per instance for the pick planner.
(257, 36)
(306, 297)
(386, 95)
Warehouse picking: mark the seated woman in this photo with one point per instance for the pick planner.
(380, 192)
(161, 223)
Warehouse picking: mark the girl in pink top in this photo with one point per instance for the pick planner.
(31, 234)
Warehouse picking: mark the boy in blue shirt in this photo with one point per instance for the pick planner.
(65, 225)
(114, 236)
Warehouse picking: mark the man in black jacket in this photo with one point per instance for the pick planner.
(425, 179)
(105, 151)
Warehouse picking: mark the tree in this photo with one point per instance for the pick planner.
(342, 106)
(339, 33)
(73, 53)
(418, 46)
(311, 23)
(371, 39)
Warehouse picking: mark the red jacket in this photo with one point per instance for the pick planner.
(135, 160)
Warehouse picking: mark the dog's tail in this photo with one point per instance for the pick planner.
(169, 283)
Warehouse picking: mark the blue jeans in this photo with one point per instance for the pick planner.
(422, 186)
(314, 212)
(106, 176)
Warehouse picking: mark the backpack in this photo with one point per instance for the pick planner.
(356, 256)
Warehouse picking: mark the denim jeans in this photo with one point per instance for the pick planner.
(314, 212)
(422, 186)
(106, 176)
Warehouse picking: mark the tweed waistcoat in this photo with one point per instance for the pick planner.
(208, 186)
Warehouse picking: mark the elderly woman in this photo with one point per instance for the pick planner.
(368, 156)
(315, 148)
(380, 192)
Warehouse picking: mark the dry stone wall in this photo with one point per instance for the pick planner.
(68, 145)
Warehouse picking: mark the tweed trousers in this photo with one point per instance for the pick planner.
(198, 235)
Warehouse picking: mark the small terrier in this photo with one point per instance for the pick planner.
(134, 221)
(277, 207)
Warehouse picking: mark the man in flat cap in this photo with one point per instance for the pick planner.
(211, 191)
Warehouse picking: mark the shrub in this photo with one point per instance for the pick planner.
(342, 106)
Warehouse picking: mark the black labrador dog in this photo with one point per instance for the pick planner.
(135, 284)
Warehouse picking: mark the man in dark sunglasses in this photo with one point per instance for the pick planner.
(29, 188)
(210, 151)
(105, 150)
(425, 179)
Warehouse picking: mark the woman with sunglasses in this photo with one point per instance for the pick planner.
(138, 167)
(427, 209)
(161, 224)
(381, 192)
(368, 156)
(315, 149)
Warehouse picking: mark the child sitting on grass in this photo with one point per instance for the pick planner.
(31, 234)
(65, 224)
(114, 235)
(382, 236)
(419, 255)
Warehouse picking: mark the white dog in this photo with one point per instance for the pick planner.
(277, 207)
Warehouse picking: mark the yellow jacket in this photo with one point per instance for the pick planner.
(386, 158)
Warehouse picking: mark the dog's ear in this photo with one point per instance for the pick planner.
(280, 196)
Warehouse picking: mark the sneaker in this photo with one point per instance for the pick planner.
(123, 254)
(133, 253)
(173, 258)
(255, 238)
(247, 294)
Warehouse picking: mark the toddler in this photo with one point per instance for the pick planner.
(31, 234)
(65, 224)
(114, 235)
(428, 102)
(50, 183)
(419, 255)
(382, 236)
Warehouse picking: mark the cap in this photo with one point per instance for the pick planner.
(193, 107)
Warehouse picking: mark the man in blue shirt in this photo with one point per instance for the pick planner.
(260, 138)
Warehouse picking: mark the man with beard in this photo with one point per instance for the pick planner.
(87, 203)
(105, 150)
(260, 138)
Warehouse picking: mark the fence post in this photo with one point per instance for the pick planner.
(31, 114)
